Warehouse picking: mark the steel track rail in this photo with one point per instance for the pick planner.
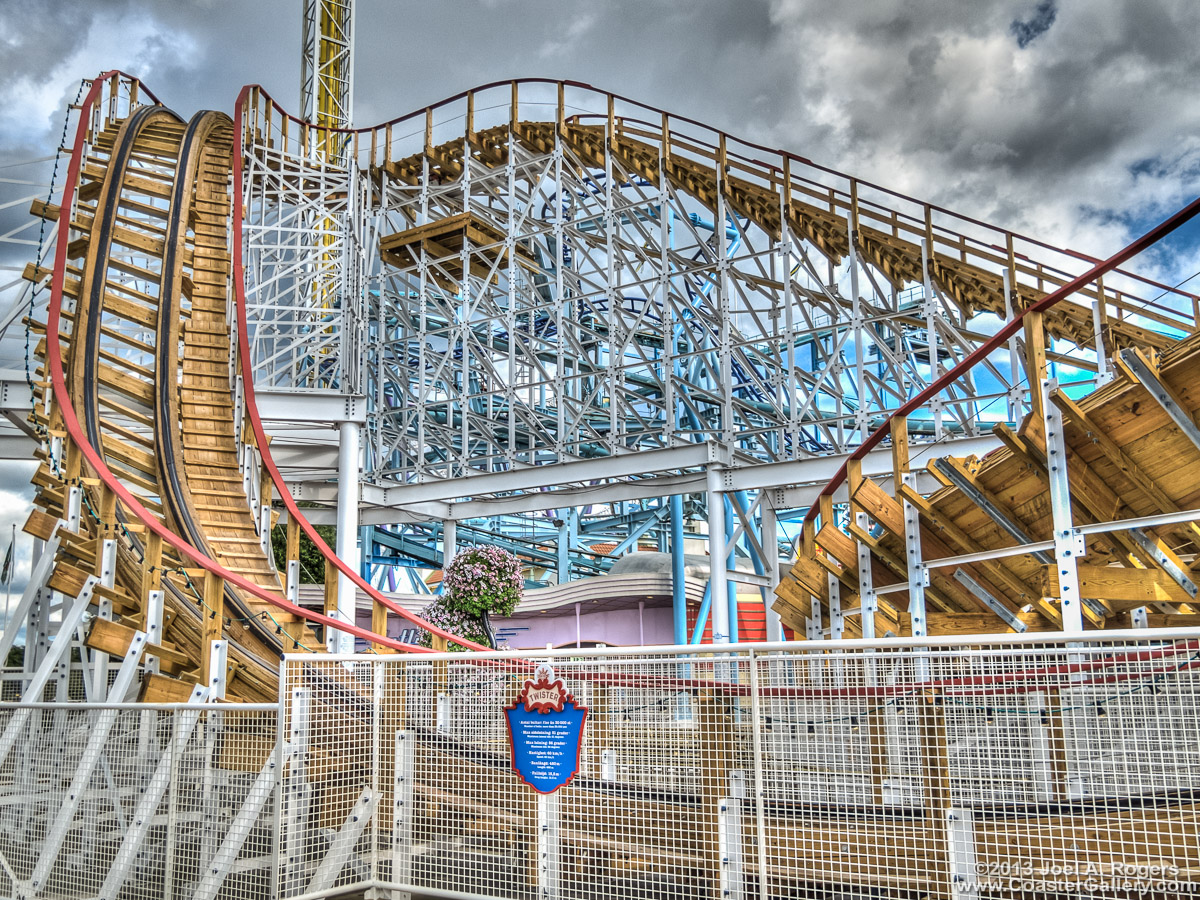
(94, 458)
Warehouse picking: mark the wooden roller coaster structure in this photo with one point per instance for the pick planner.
(156, 485)
(154, 490)
(157, 462)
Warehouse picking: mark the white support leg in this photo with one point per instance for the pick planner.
(152, 794)
(1068, 545)
(347, 532)
(342, 845)
(402, 813)
(74, 507)
(729, 845)
(960, 838)
(37, 580)
(57, 650)
(449, 541)
(154, 626)
(837, 621)
(104, 610)
(1041, 748)
(718, 578)
(549, 847)
(866, 582)
(769, 538)
(297, 796)
(217, 870)
(91, 757)
(218, 666)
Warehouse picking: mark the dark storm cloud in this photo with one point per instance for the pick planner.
(936, 98)
(1020, 110)
(1027, 30)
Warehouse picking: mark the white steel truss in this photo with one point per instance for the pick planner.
(536, 294)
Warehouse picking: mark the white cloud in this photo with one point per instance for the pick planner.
(16, 500)
(938, 100)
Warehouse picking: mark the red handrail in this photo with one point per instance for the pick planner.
(54, 365)
(1010, 328)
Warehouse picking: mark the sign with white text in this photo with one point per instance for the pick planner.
(545, 731)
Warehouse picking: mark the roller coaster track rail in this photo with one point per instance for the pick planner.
(91, 109)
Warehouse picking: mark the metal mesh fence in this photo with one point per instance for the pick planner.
(137, 801)
(1014, 769)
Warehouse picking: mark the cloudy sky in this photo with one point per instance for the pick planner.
(1076, 122)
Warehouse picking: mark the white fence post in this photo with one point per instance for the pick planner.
(402, 813)
(549, 847)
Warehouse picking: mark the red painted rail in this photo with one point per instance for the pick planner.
(78, 437)
(1010, 328)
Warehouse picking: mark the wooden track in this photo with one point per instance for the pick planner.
(1126, 459)
(152, 377)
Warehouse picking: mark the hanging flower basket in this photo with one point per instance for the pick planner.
(479, 583)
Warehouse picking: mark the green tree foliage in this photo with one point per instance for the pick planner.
(312, 563)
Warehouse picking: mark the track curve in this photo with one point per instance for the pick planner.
(153, 451)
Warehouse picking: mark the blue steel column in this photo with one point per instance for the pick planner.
(678, 592)
(563, 565)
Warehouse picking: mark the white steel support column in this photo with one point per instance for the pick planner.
(930, 309)
(1068, 545)
(1016, 394)
(837, 621)
(347, 531)
(769, 539)
(856, 323)
(917, 573)
(718, 577)
(449, 542)
(866, 583)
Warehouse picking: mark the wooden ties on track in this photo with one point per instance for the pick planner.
(813, 218)
(1127, 458)
(147, 362)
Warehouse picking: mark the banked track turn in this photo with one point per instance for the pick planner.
(144, 413)
(161, 449)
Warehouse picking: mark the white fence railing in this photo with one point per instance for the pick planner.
(138, 801)
(1017, 766)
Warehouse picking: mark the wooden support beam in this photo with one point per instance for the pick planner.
(151, 566)
(962, 477)
(331, 586)
(1121, 588)
(1115, 455)
(900, 463)
(935, 775)
(1091, 494)
(1021, 592)
(943, 624)
(1093, 497)
(213, 621)
(1035, 359)
(40, 525)
(874, 501)
(889, 514)
(379, 618)
(292, 549)
(161, 689)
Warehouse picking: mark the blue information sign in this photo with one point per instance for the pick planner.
(545, 730)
